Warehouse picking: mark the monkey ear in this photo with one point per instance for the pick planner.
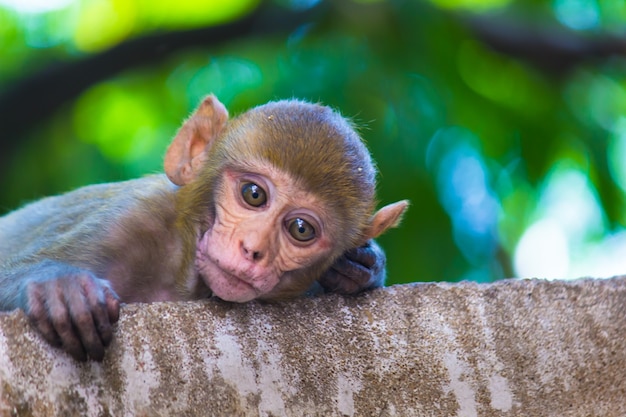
(386, 218)
(187, 152)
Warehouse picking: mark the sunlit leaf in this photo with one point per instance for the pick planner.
(103, 23)
(473, 5)
(178, 14)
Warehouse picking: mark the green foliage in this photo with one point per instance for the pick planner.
(504, 164)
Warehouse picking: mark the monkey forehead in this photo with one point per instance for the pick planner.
(311, 142)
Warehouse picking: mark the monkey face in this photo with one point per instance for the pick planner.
(277, 193)
(265, 226)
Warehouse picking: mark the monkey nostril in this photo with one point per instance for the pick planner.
(251, 255)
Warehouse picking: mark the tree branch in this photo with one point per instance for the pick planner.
(551, 49)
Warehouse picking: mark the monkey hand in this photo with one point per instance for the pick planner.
(73, 310)
(356, 270)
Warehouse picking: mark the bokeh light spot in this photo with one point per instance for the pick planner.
(606, 101)
(36, 6)
(465, 192)
(102, 116)
(577, 14)
(570, 220)
(542, 252)
(569, 199)
(225, 77)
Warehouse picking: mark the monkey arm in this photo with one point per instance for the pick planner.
(62, 257)
(356, 270)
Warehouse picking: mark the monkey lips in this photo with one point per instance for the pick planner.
(226, 278)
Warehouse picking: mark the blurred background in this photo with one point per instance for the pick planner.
(503, 121)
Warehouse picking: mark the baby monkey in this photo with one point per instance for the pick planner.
(258, 207)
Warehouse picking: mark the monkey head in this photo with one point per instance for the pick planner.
(274, 195)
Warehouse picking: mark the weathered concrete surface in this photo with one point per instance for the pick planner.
(523, 348)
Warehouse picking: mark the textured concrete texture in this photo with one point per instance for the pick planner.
(513, 348)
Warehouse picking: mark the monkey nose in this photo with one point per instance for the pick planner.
(251, 254)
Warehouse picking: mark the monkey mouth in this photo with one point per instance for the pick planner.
(236, 278)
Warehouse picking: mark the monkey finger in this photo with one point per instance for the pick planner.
(47, 330)
(352, 272)
(62, 323)
(331, 281)
(90, 338)
(101, 314)
(38, 315)
(86, 308)
(112, 304)
(363, 255)
(345, 277)
(87, 343)
(336, 282)
(370, 255)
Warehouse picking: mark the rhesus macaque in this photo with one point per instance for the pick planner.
(258, 207)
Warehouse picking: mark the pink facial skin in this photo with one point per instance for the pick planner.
(249, 247)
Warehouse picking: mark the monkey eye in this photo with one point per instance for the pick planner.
(253, 194)
(301, 230)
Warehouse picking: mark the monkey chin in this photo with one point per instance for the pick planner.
(229, 287)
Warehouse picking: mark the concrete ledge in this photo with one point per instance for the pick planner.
(523, 348)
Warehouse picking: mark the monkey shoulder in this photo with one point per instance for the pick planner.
(85, 216)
